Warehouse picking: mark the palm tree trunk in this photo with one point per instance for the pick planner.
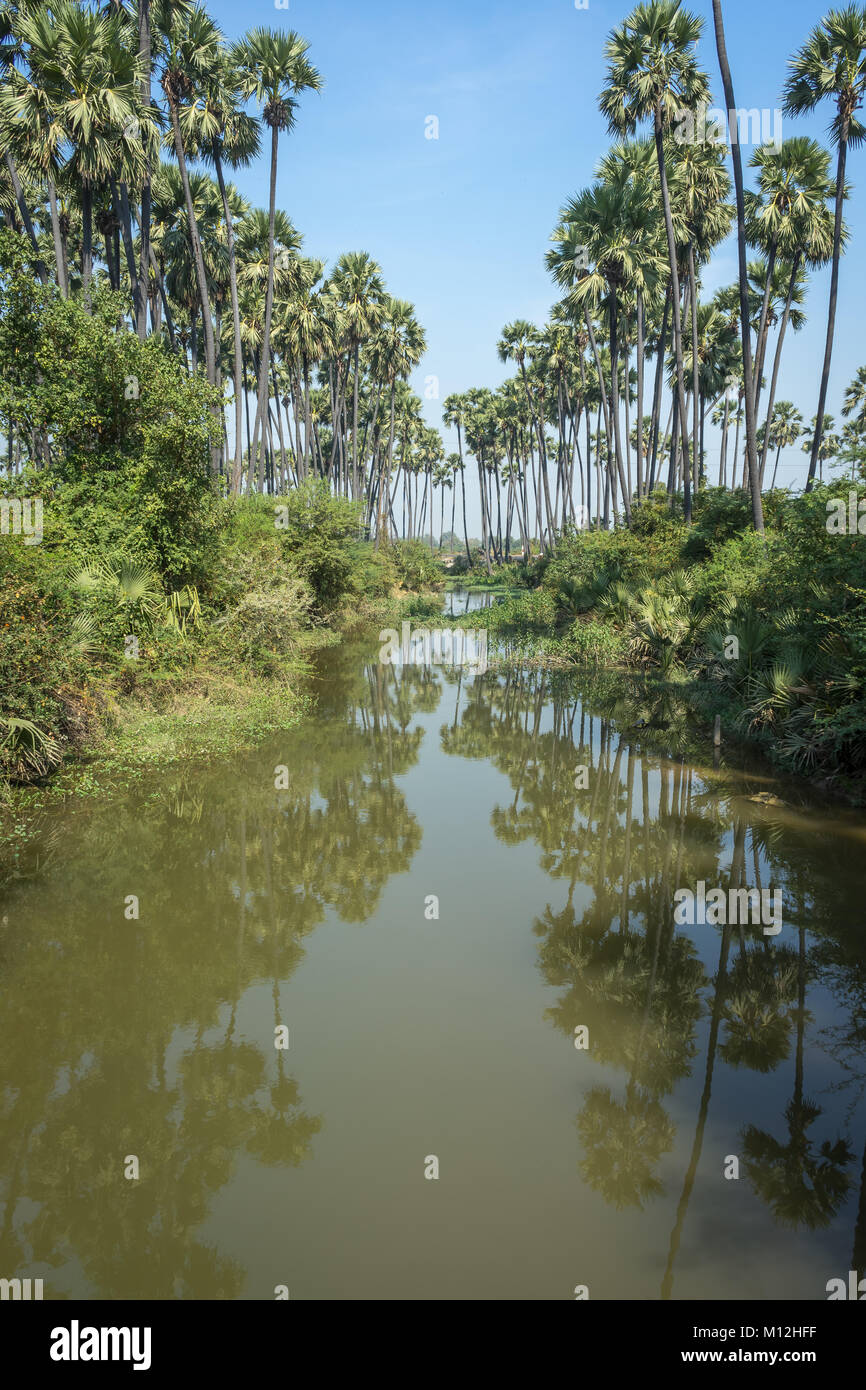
(86, 241)
(198, 258)
(236, 324)
(776, 361)
(657, 391)
(262, 406)
(696, 390)
(463, 492)
(640, 372)
(605, 405)
(355, 422)
(834, 290)
(120, 198)
(41, 270)
(58, 244)
(143, 279)
(723, 455)
(678, 327)
(614, 381)
(763, 327)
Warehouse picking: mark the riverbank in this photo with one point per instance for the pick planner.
(765, 632)
(123, 725)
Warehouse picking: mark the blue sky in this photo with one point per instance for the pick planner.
(460, 224)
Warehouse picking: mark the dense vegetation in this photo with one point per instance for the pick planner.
(146, 578)
(767, 631)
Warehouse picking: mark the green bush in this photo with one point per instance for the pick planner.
(596, 643)
(415, 567)
(127, 429)
(38, 663)
(320, 533)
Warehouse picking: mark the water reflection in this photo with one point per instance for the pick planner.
(642, 826)
(155, 1037)
(459, 602)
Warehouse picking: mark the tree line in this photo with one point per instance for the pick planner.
(121, 128)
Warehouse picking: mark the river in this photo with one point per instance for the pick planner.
(505, 1071)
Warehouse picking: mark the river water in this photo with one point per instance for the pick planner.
(469, 945)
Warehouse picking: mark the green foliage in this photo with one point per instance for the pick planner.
(720, 514)
(320, 535)
(670, 600)
(416, 568)
(595, 643)
(37, 663)
(125, 430)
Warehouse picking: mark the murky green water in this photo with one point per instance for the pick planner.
(410, 1036)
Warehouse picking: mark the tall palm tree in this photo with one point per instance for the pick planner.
(454, 413)
(832, 65)
(397, 348)
(307, 335)
(190, 47)
(855, 397)
(226, 135)
(745, 321)
(653, 75)
(275, 70)
(11, 51)
(785, 429)
(617, 227)
(359, 289)
(703, 189)
(790, 209)
(830, 442)
(143, 277)
(517, 340)
(792, 184)
(84, 90)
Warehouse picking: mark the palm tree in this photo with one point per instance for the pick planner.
(745, 322)
(792, 186)
(830, 442)
(454, 467)
(653, 74)
(86, 82)
(453, 413)
(191, 46)
(832, 64)
(517, 340)
(359, 289)
(795, 187)
(14, 198)
(226, 134)
(397, 348)
(275, 70)
(307, 333)
(615, 224)
(855, 397)
(785, 429)
(143, 277)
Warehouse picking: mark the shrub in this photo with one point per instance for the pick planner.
(416, 568)
(321, 536)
